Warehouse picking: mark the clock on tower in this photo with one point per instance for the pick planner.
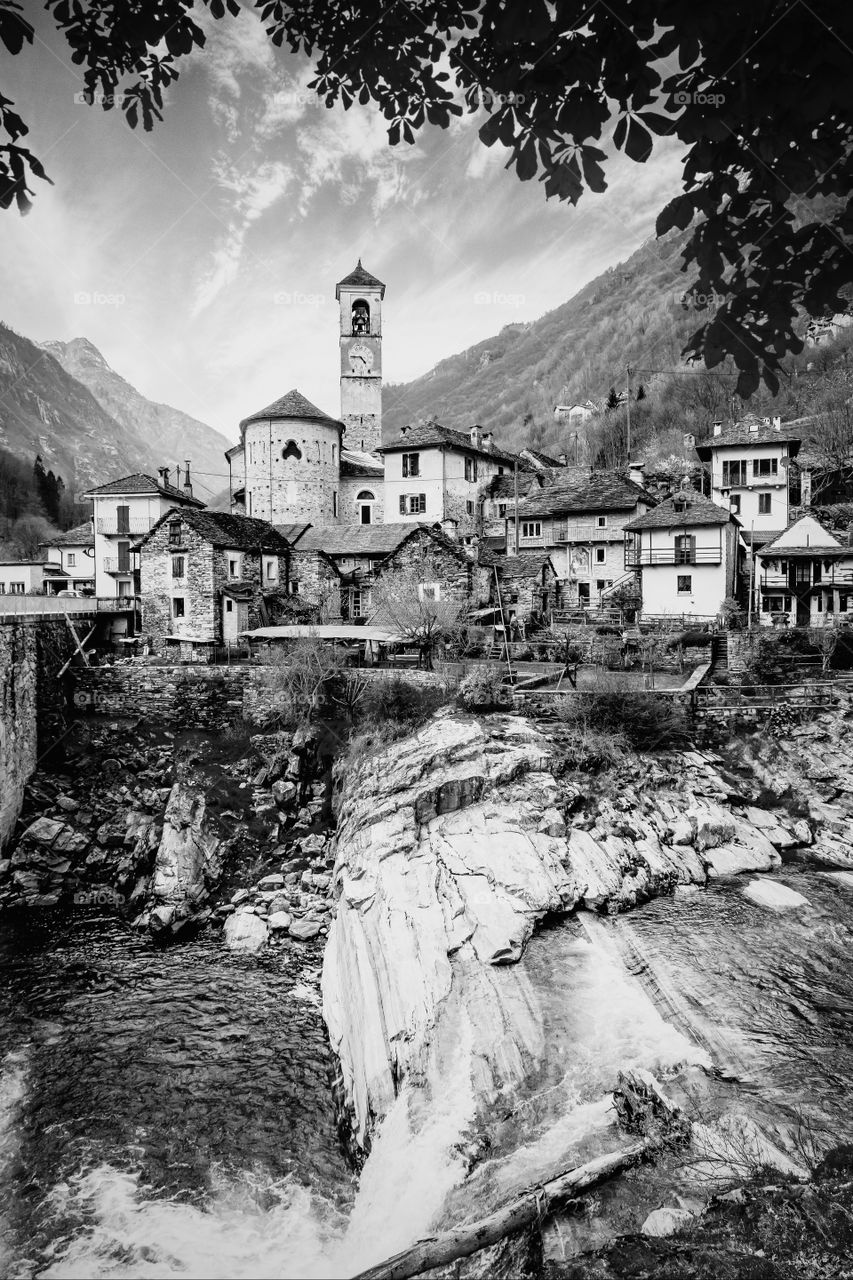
(359, 298)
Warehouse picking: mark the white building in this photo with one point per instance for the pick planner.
(433, 473)
(74, 554)
(22, 577)
(124, 511)
(686, 553)
(804, 577)
(750, 472)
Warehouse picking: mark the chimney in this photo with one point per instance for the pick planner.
(448, 527)
(488, 441)
(163, 473)
(777, 423)
(563, 460)
(476, 437)
(471, 547)
(718, 427)
(636, 472)
(188, 488)
(404, 431)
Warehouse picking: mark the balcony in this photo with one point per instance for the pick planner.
(112, 527)
(637, 557)
(117, 564)
(799, 584)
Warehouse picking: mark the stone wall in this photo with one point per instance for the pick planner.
(461, 578)
(32, 705)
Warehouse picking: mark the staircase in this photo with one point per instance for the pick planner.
(720, 652)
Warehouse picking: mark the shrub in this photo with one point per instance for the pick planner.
(483, 690)
(391, 699)
(593, 749)
(645, 720)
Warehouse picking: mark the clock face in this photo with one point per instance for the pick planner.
(360, 358)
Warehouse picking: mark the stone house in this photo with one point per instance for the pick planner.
(804, 577)
(355, 553)
(206, 575)
(579, 520)
(443, 566)
(686, 552)
(529, 585)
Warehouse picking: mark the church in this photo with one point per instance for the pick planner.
(295, 464)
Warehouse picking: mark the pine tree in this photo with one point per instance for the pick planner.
(612, 399)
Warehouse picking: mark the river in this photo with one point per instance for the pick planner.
(168, 1112)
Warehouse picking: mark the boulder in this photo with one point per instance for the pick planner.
(279, 920)
(667, 1221)
(302, 930)
(244, 931)
(284, 793)
(270, 882)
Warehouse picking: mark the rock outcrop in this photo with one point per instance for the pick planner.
(451, 847)
(187, 864)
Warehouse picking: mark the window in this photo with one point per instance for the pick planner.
(734, 504)
(501, 508)
(531, 528)
(429, 591)
(601, 522)
(599, 585)
(178, 566)
(123, 519)
(291, 450)
(764, 504)
(229, 605)
(734, 473)
(412, 504)
(335, 503)
(470, 468)
(765, 466)
(124, 588)
(271, 570)
(355, 603)
(294, 587)
(600, 555)
(685, 584)
(16, 588)
(364, 503)
(500, 471)
(842, 601)
(685, 549)
(70, 559)
(2, 588)
(175, 532)
(178, 607)
(233, 567)
(469, 507)
(411, 464)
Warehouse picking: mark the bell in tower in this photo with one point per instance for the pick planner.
(359, 298)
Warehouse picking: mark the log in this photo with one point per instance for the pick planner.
(533, 1205)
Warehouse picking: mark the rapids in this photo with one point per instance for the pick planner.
(169, 1112)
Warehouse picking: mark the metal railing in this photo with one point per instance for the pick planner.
(112, 526)
(636, 557)
(116, 564)
(19, 606)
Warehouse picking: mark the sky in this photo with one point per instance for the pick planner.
(201, 258)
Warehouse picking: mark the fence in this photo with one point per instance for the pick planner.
(709, 700)
(38, 606)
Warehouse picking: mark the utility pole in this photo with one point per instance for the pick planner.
(515, 485)
(628, 407)
(751, 566)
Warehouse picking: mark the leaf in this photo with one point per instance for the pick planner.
(638, 144)
(14, 30)
(525, 160)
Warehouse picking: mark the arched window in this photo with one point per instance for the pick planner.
(364, 504)
(360, 316)
(291, 450)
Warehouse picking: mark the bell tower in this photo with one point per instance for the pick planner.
(359, 298)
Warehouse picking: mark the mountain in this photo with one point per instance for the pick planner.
(169, 435)
(44, 409)
(631, 314)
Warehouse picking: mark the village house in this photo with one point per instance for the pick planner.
(444, 567)
(686, 553)
(30, 577)
(73, 553)
(206, 577)
(498, 498)
(433, 473)
(750, 474)
(527, 586)
(579, 519)
(124, 511)
(804, 577)
(355, 553)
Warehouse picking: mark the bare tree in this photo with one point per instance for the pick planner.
(414, 601)
(298, 678)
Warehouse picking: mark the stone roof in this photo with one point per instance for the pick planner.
(356, 539)
(221, 529)
(293, 532)
(524, 565)
(139, 483)
(603, 491)
(740, 434)
(293, 405)
(354, 462)
(431, 435)
(82, 535)
(359, 279)
(694, 509)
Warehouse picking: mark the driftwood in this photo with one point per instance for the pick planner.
(641, 1106)
(533, 1205)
